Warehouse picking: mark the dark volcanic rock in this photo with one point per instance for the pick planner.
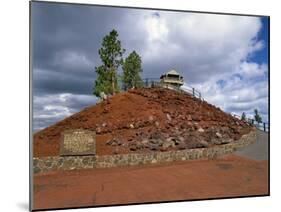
(155, 114)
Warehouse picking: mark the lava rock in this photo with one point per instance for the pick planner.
(163, 149)
(218, 135)
(203, 143)
(109, 142)
(181, 146)
(154, 147)
(139, 145)
(133, 148)
(169, 117)
(150, 118)
(189, 118)
(145, 141)
(168, 143)
(98, 130)
(216, 142)
(116, 151)
(226, 141)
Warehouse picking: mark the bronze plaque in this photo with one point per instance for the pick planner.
(78, 142)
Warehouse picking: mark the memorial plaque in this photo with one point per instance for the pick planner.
(78, 142)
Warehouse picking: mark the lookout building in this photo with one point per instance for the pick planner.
(172, 78)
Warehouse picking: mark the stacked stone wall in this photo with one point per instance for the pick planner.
(43, 164)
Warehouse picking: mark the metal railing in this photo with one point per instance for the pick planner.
(259, 125)
(156, 82)
(192, 91)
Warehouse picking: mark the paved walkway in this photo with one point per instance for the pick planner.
(258, 150)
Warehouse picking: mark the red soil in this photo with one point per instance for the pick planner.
(230, 176)
(144, 113)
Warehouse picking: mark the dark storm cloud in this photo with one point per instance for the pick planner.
(49, 82)
(58, 27)
(66, 39)
(203, 48)
(63, 34)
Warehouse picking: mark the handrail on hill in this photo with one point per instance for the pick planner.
(155, 82)
(259, 125)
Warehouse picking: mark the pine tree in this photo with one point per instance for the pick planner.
(102, 83)
(243, 117)
(257, 116)
(131, 71)
(111, 56)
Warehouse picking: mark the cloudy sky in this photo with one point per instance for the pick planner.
(223, 56)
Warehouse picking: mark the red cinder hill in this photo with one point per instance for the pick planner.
(147, 119)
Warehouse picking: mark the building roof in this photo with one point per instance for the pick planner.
(173, 72)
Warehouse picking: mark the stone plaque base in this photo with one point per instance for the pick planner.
(78, 142)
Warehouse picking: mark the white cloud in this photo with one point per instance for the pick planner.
(237, 95)
(207, 48)
(251, 70)
(49, 109)
(199, 43)
(156, 28)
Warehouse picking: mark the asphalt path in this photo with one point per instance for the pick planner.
(257, 150)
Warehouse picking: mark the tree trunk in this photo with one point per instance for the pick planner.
(113, 82)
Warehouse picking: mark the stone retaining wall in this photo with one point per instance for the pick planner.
(44, 164)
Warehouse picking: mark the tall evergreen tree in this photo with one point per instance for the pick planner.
(243, 117)
(102, 83)
(111, 56)
(131, 71)
(257, 116)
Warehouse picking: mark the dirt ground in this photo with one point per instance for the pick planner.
(228, 176)
(147, 120)
(141, 120)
